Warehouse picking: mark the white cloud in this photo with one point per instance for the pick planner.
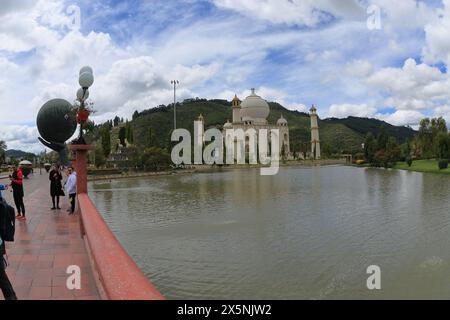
(284, 48)
(415, 86)
(359, 68)
(405, 15)
(437, 48)
(20, 137)
(346, 110)
(402, 117)
(443, 111)
(294, 12)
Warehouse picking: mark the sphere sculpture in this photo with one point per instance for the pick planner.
(56, 124)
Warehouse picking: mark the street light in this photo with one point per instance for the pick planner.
(86, 79)
(175, 83)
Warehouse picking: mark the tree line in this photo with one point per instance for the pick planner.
(432, 141)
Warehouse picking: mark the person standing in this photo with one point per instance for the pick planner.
(18, 193)
(56, 190)
(71, 189)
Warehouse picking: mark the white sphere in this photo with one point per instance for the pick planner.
(86, 69)
(82, 95)
(86, 79)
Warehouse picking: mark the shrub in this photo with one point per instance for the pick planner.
(409, 161)
(443, 164)
(381, 159)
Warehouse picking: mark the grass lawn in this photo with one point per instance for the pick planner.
(422, 166)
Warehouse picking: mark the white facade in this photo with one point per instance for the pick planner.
(252, 113)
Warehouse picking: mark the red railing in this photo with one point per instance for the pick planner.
(118, 275)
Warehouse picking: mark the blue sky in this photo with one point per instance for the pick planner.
(297, 52)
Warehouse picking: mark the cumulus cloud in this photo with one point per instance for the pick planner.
(346, 110)
(295, 52)
(295, 12)
(414, 86)
(359, 68)
(437, 48)
(20, 137)
(403, 117)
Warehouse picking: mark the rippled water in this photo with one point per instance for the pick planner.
(306, 233)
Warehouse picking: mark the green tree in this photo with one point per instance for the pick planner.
(393, 150)
(3, 148)
(116, 121)
(425, 138)
(122, 136)
(443, 145)
(129, 133)
(155, 159)
(382, 138)
(99, 157)
(326, 149)
(370, 147)
(406, 149)
(150, 139)
(106, 143)
(89, 126)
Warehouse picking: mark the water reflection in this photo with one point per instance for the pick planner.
(306, 233)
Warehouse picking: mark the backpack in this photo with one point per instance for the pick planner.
(7, 221)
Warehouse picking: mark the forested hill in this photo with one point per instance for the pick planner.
(365, 125)
(337, 135)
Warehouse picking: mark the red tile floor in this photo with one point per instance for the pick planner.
(46, 245)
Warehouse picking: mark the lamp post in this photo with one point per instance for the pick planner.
(86, 79)
(175, 83)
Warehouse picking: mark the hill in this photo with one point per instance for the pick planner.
(337, 135)
(18, 154)
(365, 125)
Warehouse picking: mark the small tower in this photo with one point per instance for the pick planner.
(236, 104)
(202, 123)
(284, 135)
(315, 140)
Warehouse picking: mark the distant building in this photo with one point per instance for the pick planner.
(252, 113)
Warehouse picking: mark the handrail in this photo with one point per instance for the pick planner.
(120, 277)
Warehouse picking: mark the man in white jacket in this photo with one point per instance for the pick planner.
(71, 189)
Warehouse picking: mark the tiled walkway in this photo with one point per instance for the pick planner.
(45, 246)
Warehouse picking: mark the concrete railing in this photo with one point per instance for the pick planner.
(119, 278)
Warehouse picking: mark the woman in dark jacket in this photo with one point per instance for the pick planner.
(56, 190)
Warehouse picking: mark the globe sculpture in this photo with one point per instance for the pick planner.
(56, 123)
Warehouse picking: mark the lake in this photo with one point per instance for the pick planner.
(306, 233)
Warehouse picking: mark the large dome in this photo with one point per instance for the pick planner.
(255, 109)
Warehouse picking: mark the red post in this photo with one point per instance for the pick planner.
(80, 164)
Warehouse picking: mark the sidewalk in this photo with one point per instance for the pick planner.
(46, 244)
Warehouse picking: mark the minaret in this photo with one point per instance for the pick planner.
(201, 121)
(199, 131)
(236, 104)
(315, 140)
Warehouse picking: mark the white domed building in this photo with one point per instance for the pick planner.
(252, 113)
